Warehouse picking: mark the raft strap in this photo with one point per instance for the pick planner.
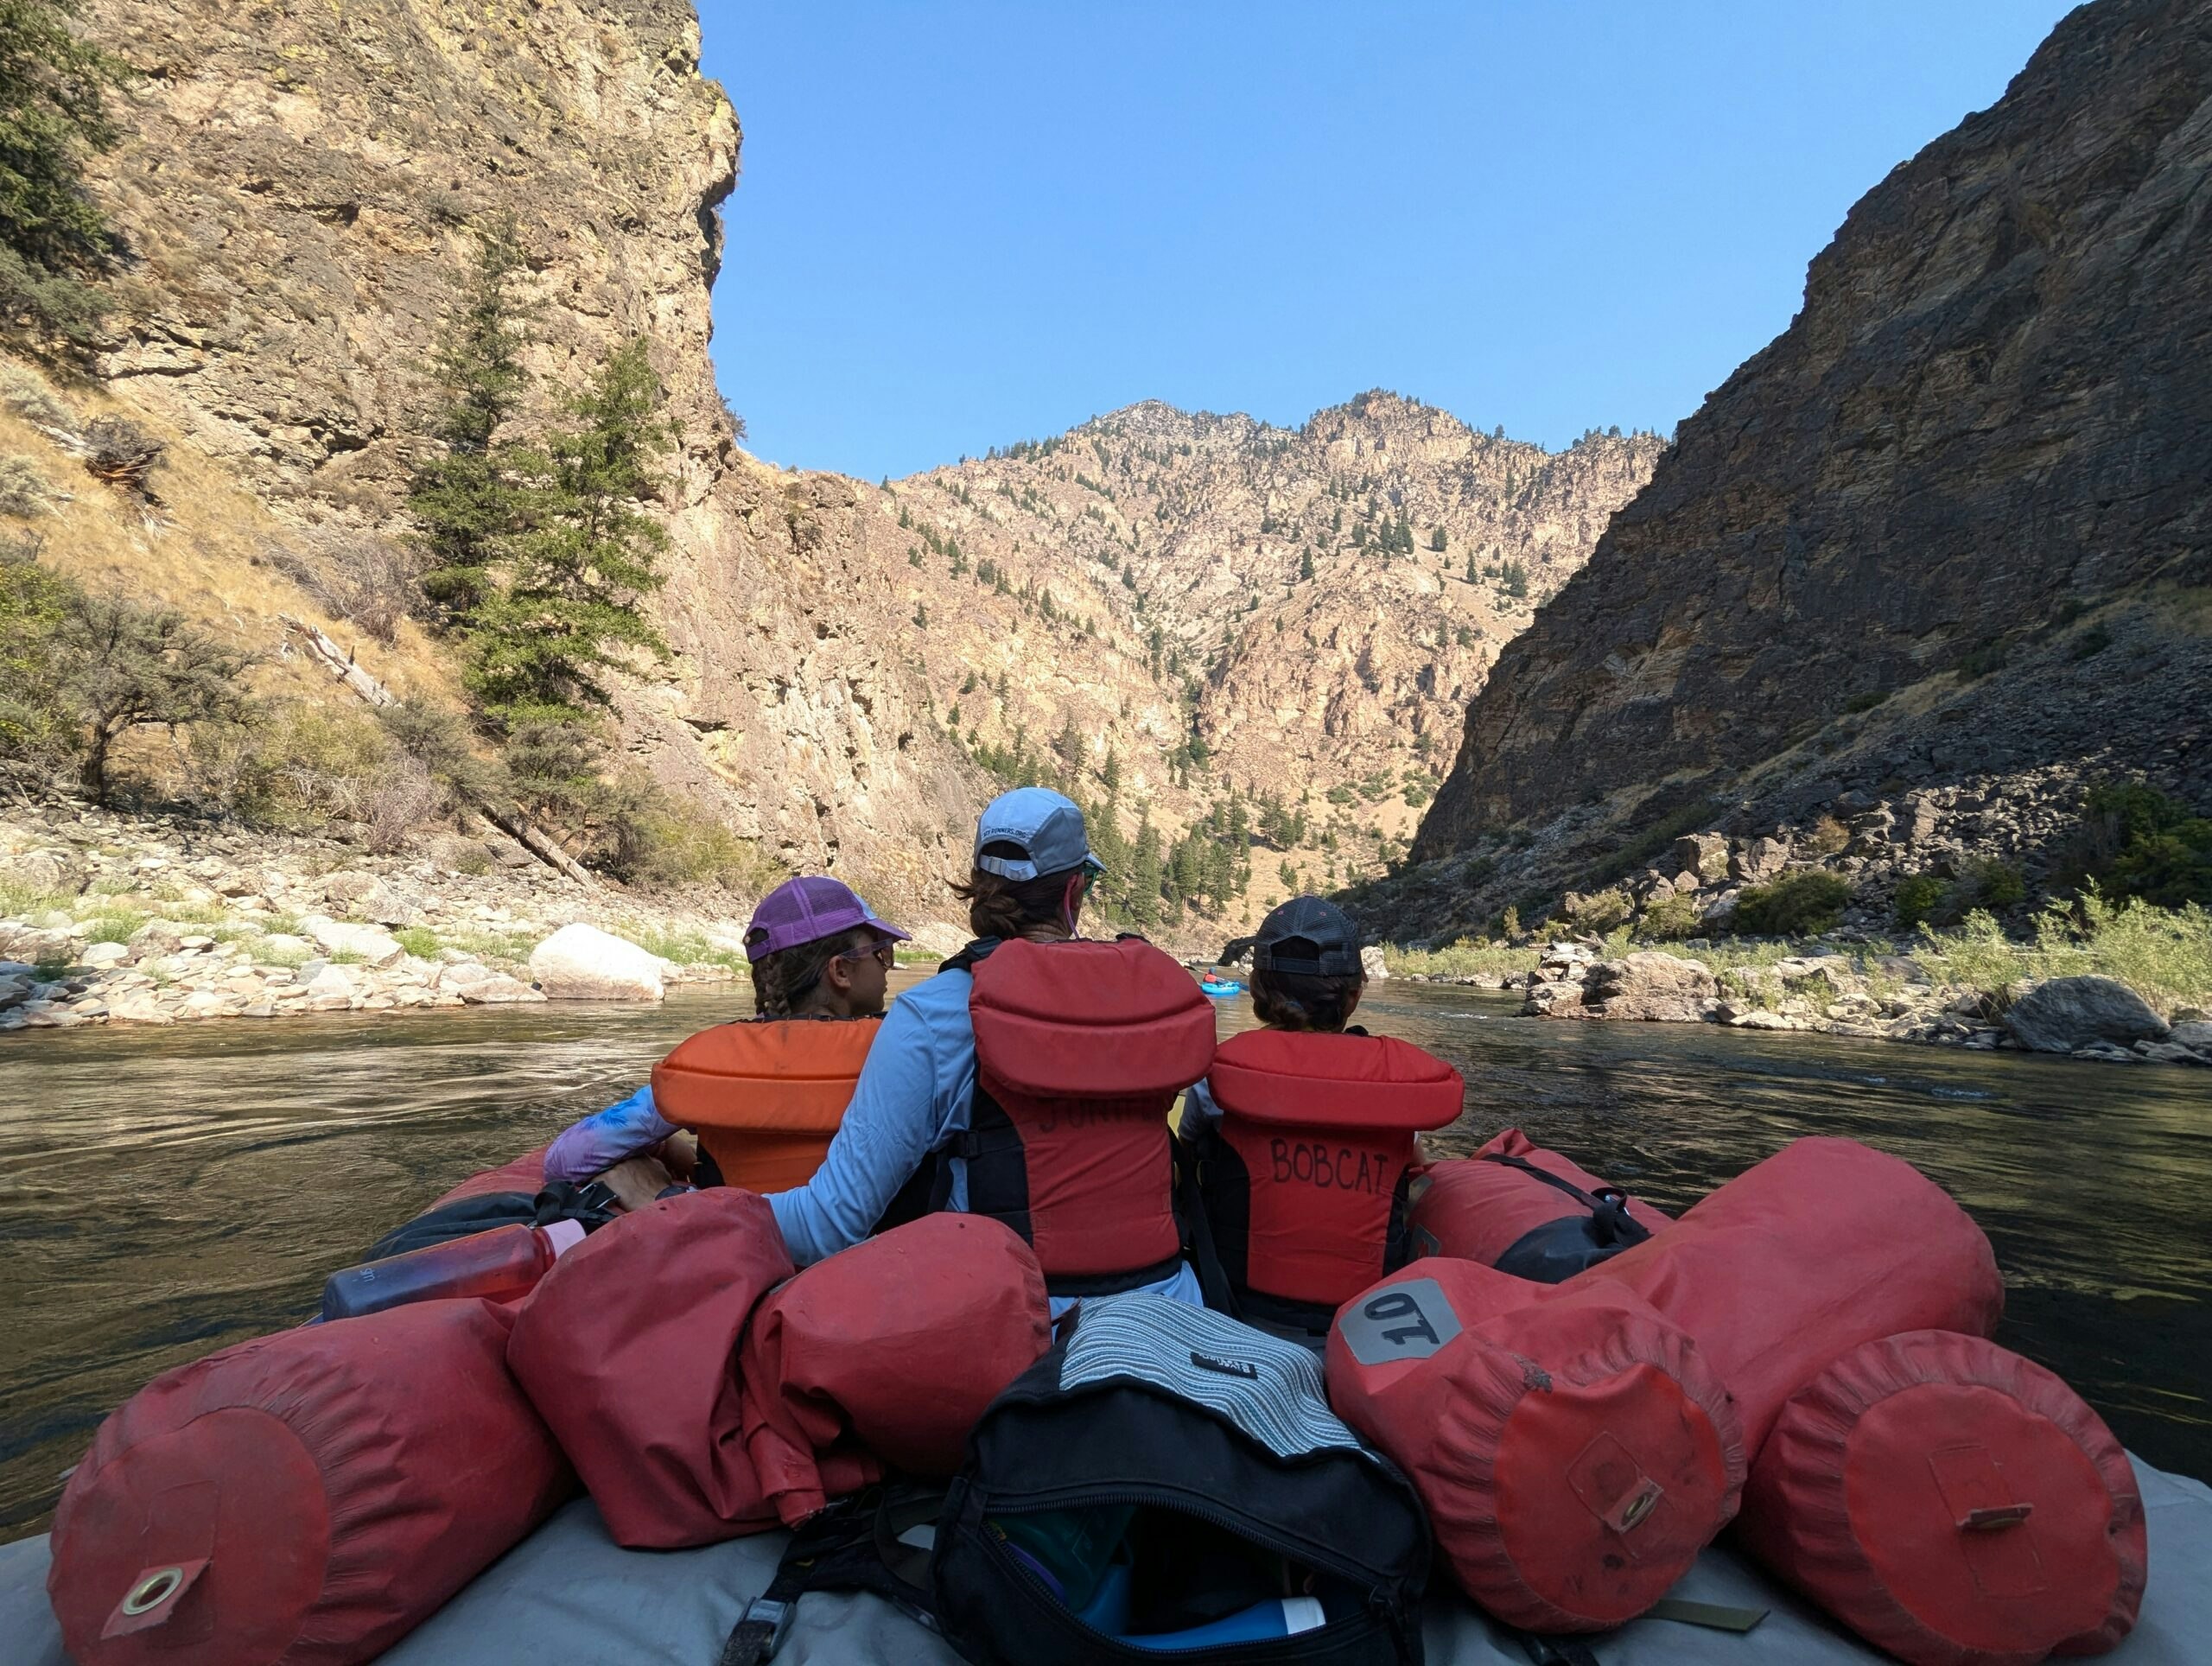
(1609, 1207)
(871, 1542)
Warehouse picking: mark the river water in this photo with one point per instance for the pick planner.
(163, 1193)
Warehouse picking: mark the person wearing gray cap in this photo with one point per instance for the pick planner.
(908, 1140)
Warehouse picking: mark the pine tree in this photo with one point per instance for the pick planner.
(468, 499)
(1436, 539)
(1305, 564)
(53, 115)
(567, 608)
(1145, 874)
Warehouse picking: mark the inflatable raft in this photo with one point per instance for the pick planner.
(498, 1558)
(1220, 988)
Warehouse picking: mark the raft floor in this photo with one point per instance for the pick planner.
(569, 1593)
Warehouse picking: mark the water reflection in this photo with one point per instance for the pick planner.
(165, 1191)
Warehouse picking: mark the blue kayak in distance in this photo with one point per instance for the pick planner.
(1220, 990)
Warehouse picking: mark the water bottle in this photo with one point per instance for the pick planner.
(499, 1265)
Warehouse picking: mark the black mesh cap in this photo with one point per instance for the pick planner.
(1306, 935)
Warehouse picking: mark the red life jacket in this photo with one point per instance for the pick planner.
(1302, 1184)
(1080, 1050)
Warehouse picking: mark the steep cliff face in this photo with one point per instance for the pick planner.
(1209, 606)
(299, 185)
(1995, 405)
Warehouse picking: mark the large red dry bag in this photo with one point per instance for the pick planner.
(310, 1496)
(628, 1348)
(1301, 1184)
(1525, 1211)
(1080, 1050)
(887, 1353)
(1572, 1450)
(1826, 1244)
(1952, 1503)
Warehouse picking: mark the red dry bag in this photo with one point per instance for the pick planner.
(1525, 1211)
(888, 1352)
(1301, 1181)
(1080, 1050)
(628, 1348)
(310, 1496)
(1573, 1452)
(1826, 1244)
(1953, 1504)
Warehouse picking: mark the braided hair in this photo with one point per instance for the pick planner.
(783, 980)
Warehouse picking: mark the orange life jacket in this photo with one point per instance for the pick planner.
(764, 1096)
(1080, 1050)
(1303, 1183)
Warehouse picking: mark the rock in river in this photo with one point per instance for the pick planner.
(2068, 1013)
(581, 962)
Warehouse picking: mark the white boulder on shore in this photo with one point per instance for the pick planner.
(581, 962)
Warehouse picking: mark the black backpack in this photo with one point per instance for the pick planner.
(1166, 1469)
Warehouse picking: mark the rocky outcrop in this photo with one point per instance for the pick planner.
(581, 962)
(2066, 1014)
(1993, 409)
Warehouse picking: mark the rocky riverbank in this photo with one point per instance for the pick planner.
(117, 919)
(1894, 997)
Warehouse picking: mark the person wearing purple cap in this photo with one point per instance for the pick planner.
(898, 1150)
(815, 950)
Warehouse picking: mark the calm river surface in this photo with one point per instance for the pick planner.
(163, 1193)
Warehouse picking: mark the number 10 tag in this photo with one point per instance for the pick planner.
(1410, 1320)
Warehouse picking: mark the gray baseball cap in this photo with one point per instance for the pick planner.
(1047, 827)
(1308, 935)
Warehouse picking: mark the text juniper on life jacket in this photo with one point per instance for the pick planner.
(1080, 1050)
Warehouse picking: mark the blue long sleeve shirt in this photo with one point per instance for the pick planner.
(606, 1137)
(912, 1097)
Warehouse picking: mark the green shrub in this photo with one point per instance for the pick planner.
(2135, 840)
(688, 847)
(2091, 643)
(1920, 899)
(1603, 912)
(419, 941)
(1993, 885)
(1987, 656)
(1828, 836)
(1670, 918)
(1867, 700)
(1800, 904)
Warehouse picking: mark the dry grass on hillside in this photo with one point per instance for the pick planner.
(204, 551)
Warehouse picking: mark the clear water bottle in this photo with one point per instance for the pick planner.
(498, 1265)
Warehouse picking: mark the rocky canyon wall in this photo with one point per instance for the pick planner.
(1993, 412)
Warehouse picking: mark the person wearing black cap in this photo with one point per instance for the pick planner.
(1298, 1146)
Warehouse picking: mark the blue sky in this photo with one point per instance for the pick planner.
(960, 224)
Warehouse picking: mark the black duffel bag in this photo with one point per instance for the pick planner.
(1167, 1474)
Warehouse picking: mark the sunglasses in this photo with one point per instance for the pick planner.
(882, 953)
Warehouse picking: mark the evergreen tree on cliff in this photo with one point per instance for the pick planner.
(53, 115)
(567, 610)
(468, 498)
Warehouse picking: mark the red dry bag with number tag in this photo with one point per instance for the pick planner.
(310, 1496)
(1526, 1211)
(1952, 1503)
(1826, 1244)
(888, 1352)
(1573, 1452)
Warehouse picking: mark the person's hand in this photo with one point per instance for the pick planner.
(679, 1152)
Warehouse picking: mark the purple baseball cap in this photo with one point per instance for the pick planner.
(806, 910)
